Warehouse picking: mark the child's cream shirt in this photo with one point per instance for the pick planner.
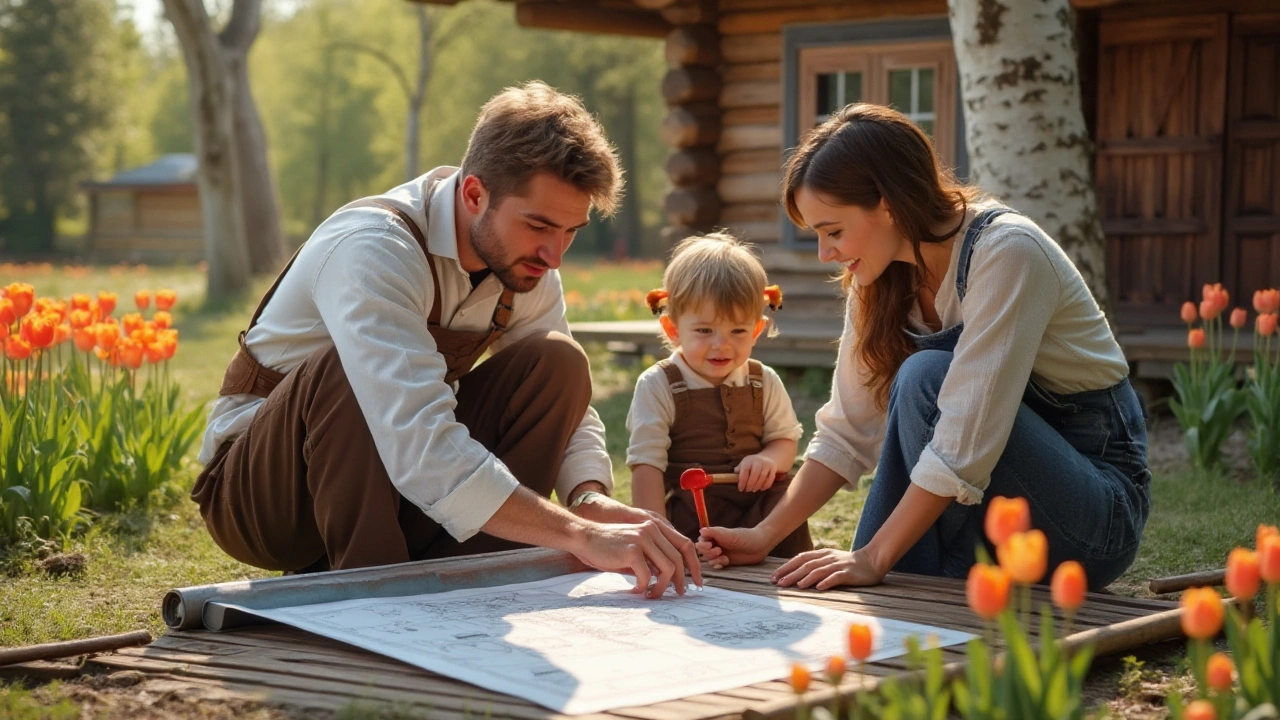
(653, 410)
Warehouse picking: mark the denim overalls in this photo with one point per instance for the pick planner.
(1080, 460)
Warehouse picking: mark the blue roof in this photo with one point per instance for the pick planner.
(168, 169)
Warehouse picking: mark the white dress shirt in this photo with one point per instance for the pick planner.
(362, 284)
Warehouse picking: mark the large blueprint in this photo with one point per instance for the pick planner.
(584, 643)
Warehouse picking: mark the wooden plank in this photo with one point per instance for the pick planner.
(760, 115)
(749, 137)
(751, 161)
(762, 21)
(752, 188)
(751, 93)
(751, 212)
(738, 72)
(759, 47)
(582, 18)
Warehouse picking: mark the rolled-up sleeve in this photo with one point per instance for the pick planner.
(649, 420)
(372, 292)
(1013, 293)
(849, 427)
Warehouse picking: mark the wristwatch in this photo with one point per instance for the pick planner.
(584, 497)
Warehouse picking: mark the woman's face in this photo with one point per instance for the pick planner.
(862, 241)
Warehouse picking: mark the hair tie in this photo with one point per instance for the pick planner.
(657, 299)
(773, 294)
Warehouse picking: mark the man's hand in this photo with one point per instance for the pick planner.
(825, 569)
(651, 550)
(722, 547)
(756, 473)
(604, 509)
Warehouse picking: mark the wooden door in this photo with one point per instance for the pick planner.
(1161, 97)
(1251, 227)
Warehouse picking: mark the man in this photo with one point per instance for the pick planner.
(352, 429)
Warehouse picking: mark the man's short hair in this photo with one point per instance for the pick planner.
(535, 128)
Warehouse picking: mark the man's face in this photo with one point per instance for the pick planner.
(525, 235)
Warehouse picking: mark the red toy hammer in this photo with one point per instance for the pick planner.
(695, 480)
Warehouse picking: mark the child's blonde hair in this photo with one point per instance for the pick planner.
(720, 269)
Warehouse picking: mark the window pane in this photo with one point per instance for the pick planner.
(900, 90)
(926, 125)
(835, 90)
(924, 95)
(852, 87)
(827, 94)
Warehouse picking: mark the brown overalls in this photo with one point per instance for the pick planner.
(304, 488)
(714, 428)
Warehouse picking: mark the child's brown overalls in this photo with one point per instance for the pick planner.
(714, 428)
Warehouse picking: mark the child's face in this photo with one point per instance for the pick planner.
(712, 344)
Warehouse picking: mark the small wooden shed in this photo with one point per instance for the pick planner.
(147, 214)
(1181, 96)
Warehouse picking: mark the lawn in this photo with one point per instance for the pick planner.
(134, 557)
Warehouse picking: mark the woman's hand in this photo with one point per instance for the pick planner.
(721, 547)
(825, 569)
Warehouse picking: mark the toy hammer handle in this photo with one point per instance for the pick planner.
(700, 504)
(732, 478)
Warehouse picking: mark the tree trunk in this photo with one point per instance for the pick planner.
(233, 176)
(627, 228)
(1024, 126)
(413, 122)
(264, 235)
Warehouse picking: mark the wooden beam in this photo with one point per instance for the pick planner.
(695, 207)
(687, 85)
(761, 47)
(691, 126)
(693, 45)
(691, 12)
(582, 18)
(654, 4)
(693, 167)
(756, 187)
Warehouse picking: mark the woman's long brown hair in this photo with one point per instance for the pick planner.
(862, 154)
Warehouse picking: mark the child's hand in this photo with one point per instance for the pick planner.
(755, 473)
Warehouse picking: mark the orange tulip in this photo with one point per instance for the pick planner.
(860, 642)
(1189, 312)
(130, 353)
(131, 322)
(987, 590)
(80, 301)
(107, 302)
(1069, 586)
(8, 315)
(835, 669)
(15, 348)
(1006, 516)
(111, 357)
(1260, 301)
(153, 352)
(1265, 531)
(1195, 339)
(84, 338)
(39, 330)
(79, 319)
(61, 333)
(1200, 710)
(4, 331)
(1267, 301)
(162, 319)
(142, 299)
(1266, 324)
(108, 335)
(1202, 613)
(1219, 669)
(22, 295)
(1025, 556)
(168, 342)
(1243, 580)
(1208, 310)
(799, 678)
(1239, 317)
(165, 299)
(1221, 298)
(1269, 559)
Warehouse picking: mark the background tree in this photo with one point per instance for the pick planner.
(1027, 140)
(241, 220)
(59, 70)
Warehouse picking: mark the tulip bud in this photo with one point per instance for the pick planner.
(1200, 710)
(106, 303)
(1025, 556)
(1264, 531)
(15, 348)
(1219, 670)
(1239, 317)
(1006, 516)
(1189, 312)
(165, 299)
(1266, 324)
(860, 642)
(835, 669)
(1069, 586)
(142, 299)
(1195, 339)
(799, 678)
(1202, 613)
(1243, 580)
(987, 590)
(1269, 559)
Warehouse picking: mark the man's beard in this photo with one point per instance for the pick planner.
(488, 247)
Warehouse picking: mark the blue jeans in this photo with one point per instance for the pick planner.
(1080, 461)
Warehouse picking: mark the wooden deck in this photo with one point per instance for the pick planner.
(287, 667)
(812, 342)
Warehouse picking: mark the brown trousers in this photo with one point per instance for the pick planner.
(304, 488)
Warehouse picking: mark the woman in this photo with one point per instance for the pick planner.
(974, 363)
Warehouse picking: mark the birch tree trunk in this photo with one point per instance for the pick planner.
(240, 214)
(1024, 126)
(413, 121)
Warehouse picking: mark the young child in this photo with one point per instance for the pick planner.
(709, 404)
